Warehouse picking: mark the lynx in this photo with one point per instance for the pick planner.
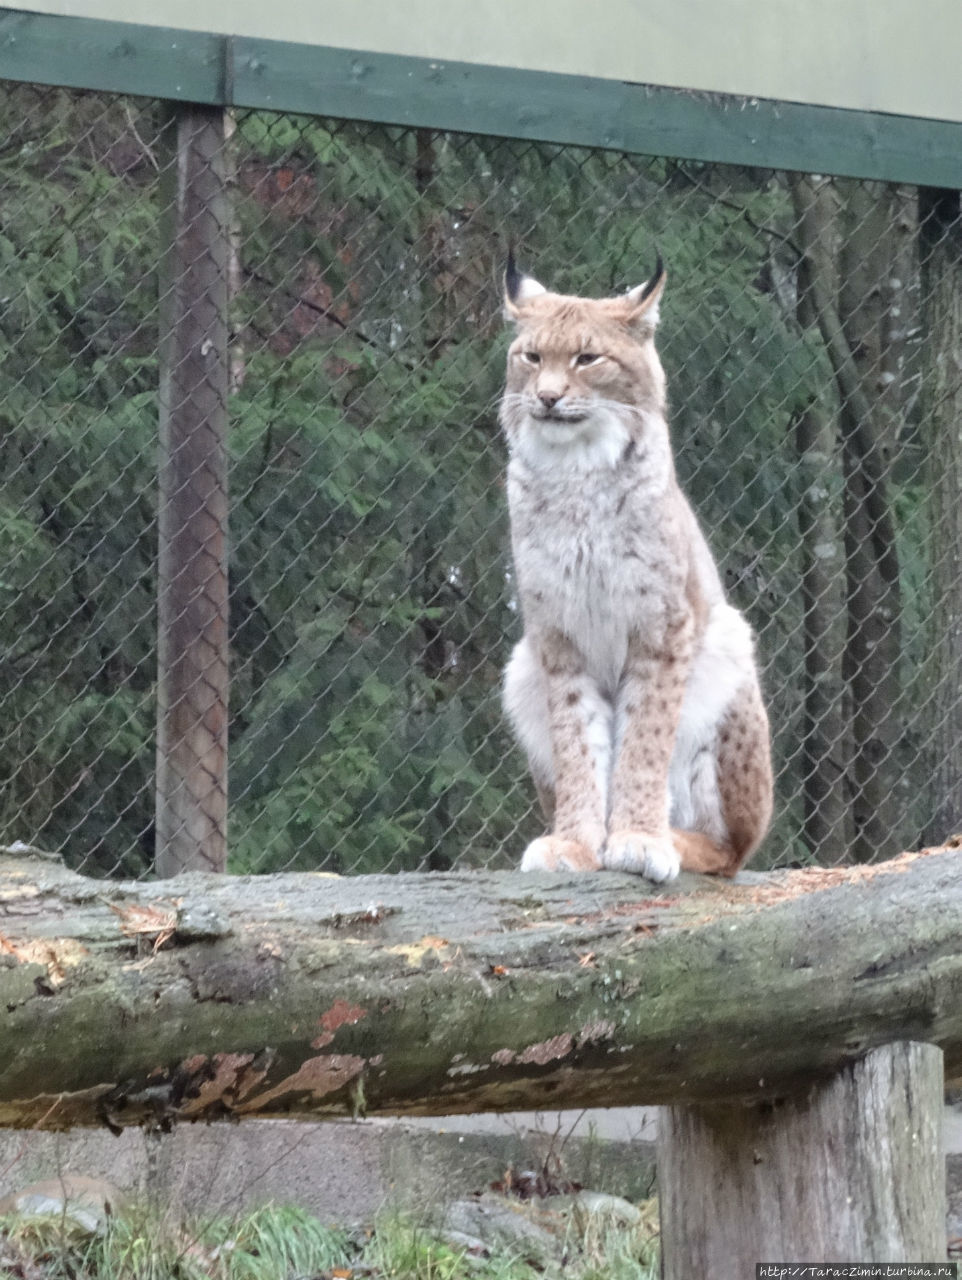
(634, 690)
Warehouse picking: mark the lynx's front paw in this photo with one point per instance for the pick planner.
(654, 857)
(552, 853)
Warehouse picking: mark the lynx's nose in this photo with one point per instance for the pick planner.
(548, 399)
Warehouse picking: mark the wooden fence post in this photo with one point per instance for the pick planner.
(853, 1170)
(192, 683)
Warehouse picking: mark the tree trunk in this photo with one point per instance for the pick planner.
(309, 994)
(868, 254)
(858, 335)
(826, 744)
(940, 245)
(192, 598)
(850, 1170)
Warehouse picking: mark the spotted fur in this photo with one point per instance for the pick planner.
(634, 690)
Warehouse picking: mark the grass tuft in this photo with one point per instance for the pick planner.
(284, 1243)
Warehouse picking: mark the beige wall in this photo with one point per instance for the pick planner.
(902, 56)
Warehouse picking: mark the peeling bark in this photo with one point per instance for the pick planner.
(203, 996)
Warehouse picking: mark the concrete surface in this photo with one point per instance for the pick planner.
(340, 1170)
(346, 1172)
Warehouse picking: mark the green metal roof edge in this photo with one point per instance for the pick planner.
(90, 53)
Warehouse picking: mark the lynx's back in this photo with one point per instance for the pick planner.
(633, 668)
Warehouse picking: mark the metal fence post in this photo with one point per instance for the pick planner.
(192, 601)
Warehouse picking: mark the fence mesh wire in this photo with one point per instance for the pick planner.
(371, 606)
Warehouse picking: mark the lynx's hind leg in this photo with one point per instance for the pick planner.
(721, 779)
(745, 775)
(724, 815)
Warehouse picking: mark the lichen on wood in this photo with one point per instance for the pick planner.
(205, 996)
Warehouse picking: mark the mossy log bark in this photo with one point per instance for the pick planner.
(203, 996)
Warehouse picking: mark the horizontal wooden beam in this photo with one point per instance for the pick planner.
(309, 994)
(505, 102)
(116, 57)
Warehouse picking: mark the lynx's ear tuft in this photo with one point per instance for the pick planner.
(644, 299)
(518, 288)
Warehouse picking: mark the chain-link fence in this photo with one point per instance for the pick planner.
(370, 596)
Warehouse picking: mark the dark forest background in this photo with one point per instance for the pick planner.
(811, 334)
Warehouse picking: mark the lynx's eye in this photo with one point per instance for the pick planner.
(584, 358)
(531, 357)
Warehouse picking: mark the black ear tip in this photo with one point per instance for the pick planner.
(512, 276)
(656, 279)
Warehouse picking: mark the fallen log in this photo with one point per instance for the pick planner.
(306, 994)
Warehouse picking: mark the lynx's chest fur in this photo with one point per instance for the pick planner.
(633, 668)
(589, 559)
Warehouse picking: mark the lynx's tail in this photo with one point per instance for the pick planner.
(699, 852)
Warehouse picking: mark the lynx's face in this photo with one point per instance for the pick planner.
(580, 369)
